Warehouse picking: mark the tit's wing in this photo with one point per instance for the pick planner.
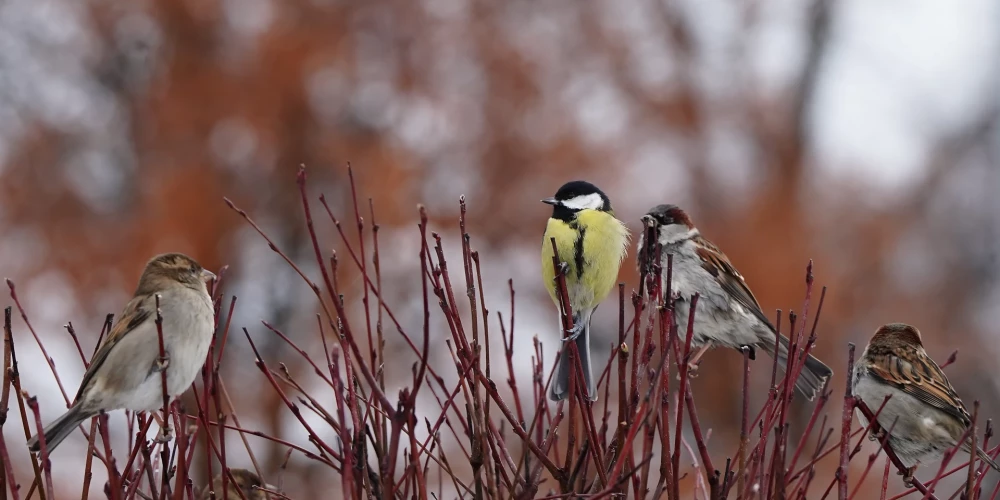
(916, 374)
(136, 312)
(718, 265)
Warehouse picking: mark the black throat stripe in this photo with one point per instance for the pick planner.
(563, 213)
(578, 249)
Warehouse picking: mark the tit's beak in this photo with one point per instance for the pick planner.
(550, 201)
(649, 220)
(207, 275)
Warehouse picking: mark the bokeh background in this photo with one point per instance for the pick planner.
(861, 134)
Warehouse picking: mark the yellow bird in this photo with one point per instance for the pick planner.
(591, 244)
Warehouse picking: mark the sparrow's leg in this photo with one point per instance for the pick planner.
(167, 432)
(694, 361)
(876, 434)
(165, 435)
(163, 363)
(908, 475)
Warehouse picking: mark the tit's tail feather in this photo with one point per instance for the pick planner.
(814, 373)
(560, 384)
(60, 429)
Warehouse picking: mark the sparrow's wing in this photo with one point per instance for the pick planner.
(645, 255)
(134, 315)
(920, 377)
(718, 265)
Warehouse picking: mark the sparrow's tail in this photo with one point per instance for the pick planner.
(985, 457)
(560, 384)
(814, 373)
(60, 429)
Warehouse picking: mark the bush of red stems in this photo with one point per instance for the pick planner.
(517, 444)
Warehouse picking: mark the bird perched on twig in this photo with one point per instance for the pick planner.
(727, 313)
(591, 243)
(925, 415)
(125, 371)
(247, 483)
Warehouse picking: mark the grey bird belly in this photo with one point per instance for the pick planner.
(920, 432)
(188, 321)
(718, 319)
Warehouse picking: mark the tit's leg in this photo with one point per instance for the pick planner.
(563, 268)
(580, 320)
(578, 324)
(908, 475)
(575, 332)
(695, 360)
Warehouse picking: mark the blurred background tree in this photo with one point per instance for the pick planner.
(859, 134)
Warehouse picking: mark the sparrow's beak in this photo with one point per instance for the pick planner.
(649, 220)
(207, 275)
(550, 201)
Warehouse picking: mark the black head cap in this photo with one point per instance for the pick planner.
(574, 189)
(575, 196)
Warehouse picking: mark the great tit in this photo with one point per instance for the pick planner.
(591, 244)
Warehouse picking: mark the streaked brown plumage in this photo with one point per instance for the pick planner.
(125, 371)
(728, 314)
(925, 413)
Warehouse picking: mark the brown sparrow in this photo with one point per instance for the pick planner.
(125, 371)
(246, 482)
(727, 313)
(925, 414)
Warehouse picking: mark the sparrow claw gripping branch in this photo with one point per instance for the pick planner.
(695, 362)
(876, 435)
(165, 435)
(163, 362)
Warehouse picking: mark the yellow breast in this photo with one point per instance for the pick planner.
(593, 246)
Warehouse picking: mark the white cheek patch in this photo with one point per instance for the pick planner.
(592, 201)
(674, 233)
